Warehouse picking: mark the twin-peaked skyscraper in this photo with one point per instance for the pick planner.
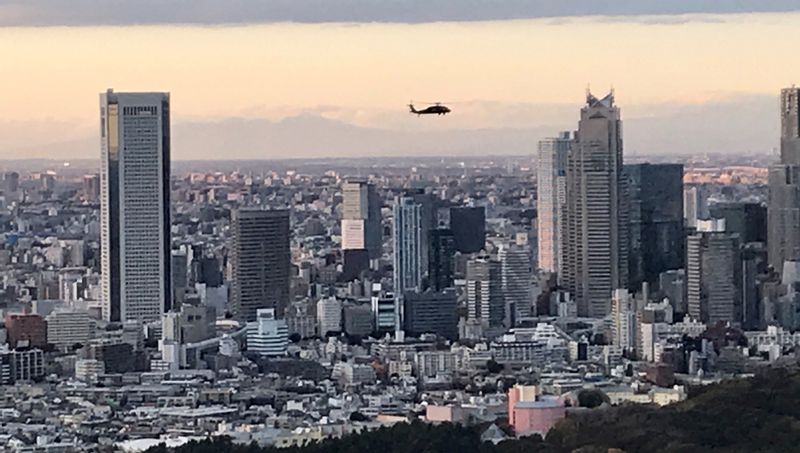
(594, 260)
(603, 225)
(784, 187)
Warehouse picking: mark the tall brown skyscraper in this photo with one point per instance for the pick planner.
(260, 262)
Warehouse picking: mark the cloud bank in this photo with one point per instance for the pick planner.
(216, 12)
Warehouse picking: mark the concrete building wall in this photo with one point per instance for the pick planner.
(596, 244)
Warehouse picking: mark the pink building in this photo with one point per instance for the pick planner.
(519, 393)
(536, 417)
(439, 414)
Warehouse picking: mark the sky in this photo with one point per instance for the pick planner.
(306, 78)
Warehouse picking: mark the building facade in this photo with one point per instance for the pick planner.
(551, 198)
(135, 205)
(441, 254)
(260, 262)
(784, 187)
(748, 220)
(469, 228)
(26, 330)
(329, 316)
(407, 242)
(361, 218)
(655, 212)
(623, 317)
(66, 328)
(267, 336)
(485, 292)
(517, 281)
(713, 274)
(431, 312)
(596, 244)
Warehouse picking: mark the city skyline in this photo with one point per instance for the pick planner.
(361, 225)
(275, 102)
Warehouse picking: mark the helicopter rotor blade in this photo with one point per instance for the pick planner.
(438, 102)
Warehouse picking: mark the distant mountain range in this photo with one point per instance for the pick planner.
(736, 126)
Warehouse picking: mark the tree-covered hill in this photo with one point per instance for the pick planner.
(745, 415)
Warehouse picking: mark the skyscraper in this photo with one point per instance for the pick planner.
(754, 269)
(784, 187)
(748, 220)
(91, 188)
(361, 217)
(441, 252)
(11, 182)
(595, 258)
(655, 202)
(690, 206)
(428, 219)
(469, 228)
(485, 292)
(407, 231)
(713, 274)
(623, 317)
(135, 205)
(551, 198)
(517, 278)
(672, 285)
(790, 126)
(260, 262)
(180, 280)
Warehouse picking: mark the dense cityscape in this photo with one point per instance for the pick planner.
(283, 303)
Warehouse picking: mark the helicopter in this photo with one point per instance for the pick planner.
(437, 109)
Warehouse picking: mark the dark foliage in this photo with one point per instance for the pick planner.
(493, 367)
(758, 414)
(591, 398)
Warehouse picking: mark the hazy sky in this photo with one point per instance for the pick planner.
(254, 87)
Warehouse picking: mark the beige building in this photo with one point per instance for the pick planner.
(596, 222)
(551, 198)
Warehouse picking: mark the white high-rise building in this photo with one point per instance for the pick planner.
(485, 292)
(623, 317)
(134, 205)
(714, 274)
(551, 198)
(517, 281)
(361, 217)
(408, 248)
(329, 316)
(267, 335)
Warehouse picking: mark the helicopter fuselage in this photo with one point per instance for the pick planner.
(432, 110)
